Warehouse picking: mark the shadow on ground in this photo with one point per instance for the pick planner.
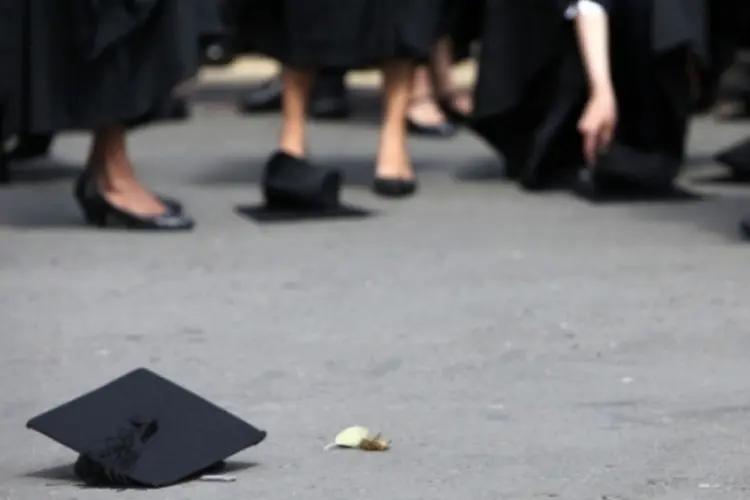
(716, 209)
(63, 475)
(358, 170)
(43, 170)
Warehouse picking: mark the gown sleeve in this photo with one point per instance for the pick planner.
(571, 8)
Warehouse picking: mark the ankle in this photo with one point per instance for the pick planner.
(395, 157)
(293, 148)
(117, 184)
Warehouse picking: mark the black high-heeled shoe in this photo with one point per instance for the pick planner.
(98, 211)
(85, 182)
(394, 187)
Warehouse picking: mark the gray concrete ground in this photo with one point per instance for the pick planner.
(512, 346)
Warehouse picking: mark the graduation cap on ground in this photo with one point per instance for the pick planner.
(737, 158)
(624, 173)
(143, 431)
(295, 191)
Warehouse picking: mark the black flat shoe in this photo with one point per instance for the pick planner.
(264, 98)
(438, 131)
(102, 214)
(394, 188)
(84, 184)
(99, 212)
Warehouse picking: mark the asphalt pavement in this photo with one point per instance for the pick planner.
(512, 346)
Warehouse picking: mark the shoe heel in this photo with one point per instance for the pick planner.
(95, 214)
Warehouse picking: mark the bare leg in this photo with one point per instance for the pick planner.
(441, 67)
(111, 166)
(394, 161)
(423, 109)
(297, 85)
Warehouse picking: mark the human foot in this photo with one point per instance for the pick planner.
(425, 118)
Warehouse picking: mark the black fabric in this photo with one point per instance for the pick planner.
(98, 25)
(141, 430)
(528, 101)
(341, 34)
(729, 26)
(653, 170)
(461, 20)
(84, 64)
(736, 157)
(12, 42)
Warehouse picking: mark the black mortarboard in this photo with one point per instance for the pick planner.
(625, 173)
(294, 190)
(142, 430)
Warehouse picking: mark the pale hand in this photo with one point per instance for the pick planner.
(597, 124)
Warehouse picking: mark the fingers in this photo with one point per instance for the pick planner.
(606, 135)
(597, 137)
(590, 146)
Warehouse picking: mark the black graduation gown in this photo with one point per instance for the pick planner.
(341, 34)
(84, 64)
(729, 21)
(11, 84)
(729, 17)
(531, 88)
(460, 21)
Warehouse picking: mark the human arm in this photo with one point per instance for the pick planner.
(599, 119)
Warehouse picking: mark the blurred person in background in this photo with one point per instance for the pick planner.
(312, 36)
(547, 110)
(725, 85)
(329, 98)
(432, 89)
(103, 67)
(438, 105)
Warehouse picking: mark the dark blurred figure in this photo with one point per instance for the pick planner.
(731, 39)
(726, 81)
(437, 105)
(309, 37)
(103, 68)
(34, 146)
(29, 147)
(531, 103)
(329, 99)
(432, 91)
